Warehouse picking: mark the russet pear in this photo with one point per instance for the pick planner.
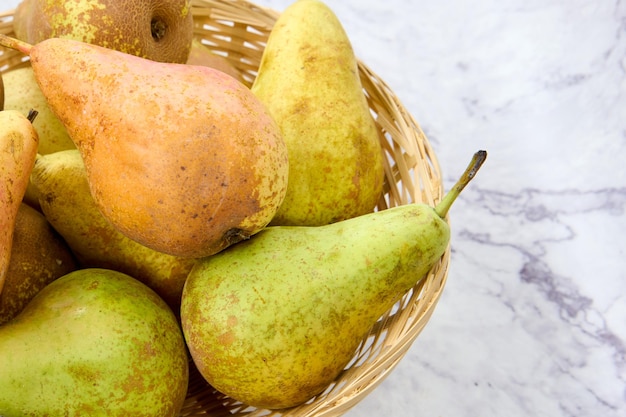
(160, 30)
(183, 159)
(309, 79)
(272, 321)
(93, 342)
(39, 255)
(61, 183)
(18, 149)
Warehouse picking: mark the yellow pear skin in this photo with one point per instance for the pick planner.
(18, 149)
(160, 30)
(22, 93)
(61, 182)
(38, 257)
(309, 80)
(272, 321)
(93, 342)
(183, 159)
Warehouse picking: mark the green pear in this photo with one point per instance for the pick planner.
(18, 149)
(61, 182)
(308, 78)
(181, 158)
(160, 30)
(272, 321)
(93, 342)
(22, 93)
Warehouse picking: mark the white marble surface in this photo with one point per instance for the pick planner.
(533, 318)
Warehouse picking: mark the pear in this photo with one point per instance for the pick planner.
(160, 30)
(22, 93)
(18, 149)
(61, 182)
(93, 342)
(183, 159)
(38, 257)
(308, 78)
(201, 55)
(272, 321)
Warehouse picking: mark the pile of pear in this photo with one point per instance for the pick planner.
(160, 211)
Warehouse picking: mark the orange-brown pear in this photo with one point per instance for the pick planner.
(180, 158)
(38, 257)
(18, 148)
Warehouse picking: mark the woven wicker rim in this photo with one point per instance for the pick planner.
(238, 30)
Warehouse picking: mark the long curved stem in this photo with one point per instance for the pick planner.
(470, 172)
(16, 44)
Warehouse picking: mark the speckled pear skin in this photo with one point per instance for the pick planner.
(93, 342)
(39, 255)
(22, 94)
(18, 149)
(308, 78)
(160, 30)
(183, 159)
(61, 182)
(272, 321)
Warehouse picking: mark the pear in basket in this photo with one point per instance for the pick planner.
(93, 342)
(18, 149)
(308, 78)
(183, 159)
(61, 183)
(160, 30)
(39, 255)
(22, 93)
(272, 321)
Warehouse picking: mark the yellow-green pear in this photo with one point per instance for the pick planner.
(181, 158)
(22, 93)
(308, 78)
(94, 342)
(38, 257)
(61, 182)
(160, 30)
(272, 321)
(18, 149)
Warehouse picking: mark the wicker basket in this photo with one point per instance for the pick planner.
(238, 30)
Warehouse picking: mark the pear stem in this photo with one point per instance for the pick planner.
(32, 115)
(470, 172)
(12, 43)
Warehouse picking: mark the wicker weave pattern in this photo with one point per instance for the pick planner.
(238, 30)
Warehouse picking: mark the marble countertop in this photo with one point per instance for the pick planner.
(532, 321)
